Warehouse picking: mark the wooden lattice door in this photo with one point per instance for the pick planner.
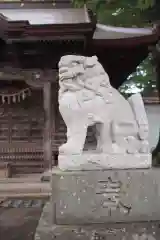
(21, 129)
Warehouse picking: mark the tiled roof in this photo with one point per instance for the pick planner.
(109, 32)
(47, 16)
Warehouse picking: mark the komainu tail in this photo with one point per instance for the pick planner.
(138, 109)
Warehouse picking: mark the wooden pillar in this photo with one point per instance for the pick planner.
(47, 125)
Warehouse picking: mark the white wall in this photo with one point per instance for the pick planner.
(153, 113)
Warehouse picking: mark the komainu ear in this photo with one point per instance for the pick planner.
(94, 58)
(91, 61)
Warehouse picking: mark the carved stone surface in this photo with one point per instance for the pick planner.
(92, 161)
(87, 197)
(86, 98)
(121, 231)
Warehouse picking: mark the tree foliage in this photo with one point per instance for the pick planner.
(142, 4)
(144, 79)
(121, 12)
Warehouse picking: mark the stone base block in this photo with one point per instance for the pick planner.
(93, 161)
(121, 231)
(98, 197)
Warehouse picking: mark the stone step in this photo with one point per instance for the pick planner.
(25, 188)
(24, 202)
(19, 195)
(22, 178)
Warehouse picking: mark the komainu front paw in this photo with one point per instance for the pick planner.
(144, 147)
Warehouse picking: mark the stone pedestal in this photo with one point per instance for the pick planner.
(102, 205)
(98, 161)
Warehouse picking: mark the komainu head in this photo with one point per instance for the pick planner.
(77, 71)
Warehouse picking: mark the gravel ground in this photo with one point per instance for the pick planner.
(19, 223)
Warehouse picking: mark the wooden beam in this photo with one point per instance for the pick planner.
(28, 75)
(47, 125)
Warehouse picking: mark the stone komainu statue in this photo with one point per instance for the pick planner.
(87, 98)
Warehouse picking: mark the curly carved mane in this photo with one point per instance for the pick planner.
(78, 72)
